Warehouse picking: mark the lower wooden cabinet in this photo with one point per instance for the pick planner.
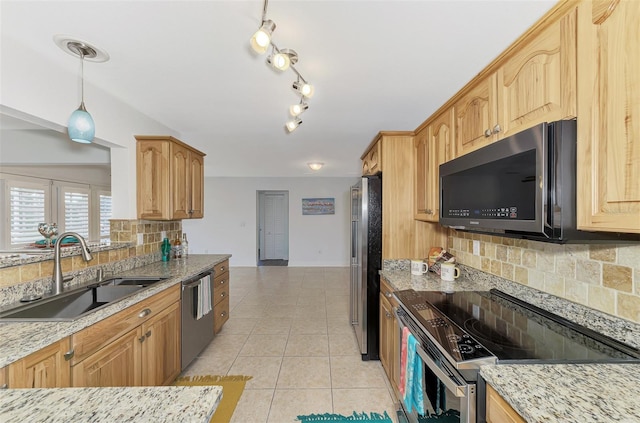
(389, 335)
(499, 411)
(47, 368)
(137, 346)
(220, 295)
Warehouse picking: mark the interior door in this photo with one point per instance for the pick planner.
(273, 225)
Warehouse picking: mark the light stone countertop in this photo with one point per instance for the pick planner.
(568, 393)
(108, 405)
(19, 339)
(550, 393)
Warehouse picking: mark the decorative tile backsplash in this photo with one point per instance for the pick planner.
(605, 277)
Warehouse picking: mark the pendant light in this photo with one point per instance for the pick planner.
(81, 127)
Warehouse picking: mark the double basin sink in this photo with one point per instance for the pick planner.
(79, 302)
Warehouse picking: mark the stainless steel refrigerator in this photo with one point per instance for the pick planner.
(366, 261)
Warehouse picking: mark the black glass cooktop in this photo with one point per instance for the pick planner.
(509, 329)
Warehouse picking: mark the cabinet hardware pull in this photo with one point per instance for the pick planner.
(4, 386)
(223, 294)
(496, 129)
(222, 282)
(222, 269)
(141, 339)
(148, 334)
(429, 211)
(69, 355)
(223, 314)
(388, 294)
(487, 133)
(388, 315)
(144, 313)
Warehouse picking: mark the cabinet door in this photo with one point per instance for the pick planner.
(498, 410)
(161, 347)
(440, 150)
(180, 182)
(196, 183)
(608, 170)
(152, 179)
(221, 314)
(422, 174)
(476, 117)
(538, 82)
(47, 368)
(386, 335)
(117, 364)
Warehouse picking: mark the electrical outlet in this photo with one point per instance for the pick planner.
(141, 239)
(476, 247)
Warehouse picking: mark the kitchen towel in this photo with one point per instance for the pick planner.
(413, 396)
(204, 297)
(403, 361)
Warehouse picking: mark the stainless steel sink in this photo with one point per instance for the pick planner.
(75, 304)
(142, 281)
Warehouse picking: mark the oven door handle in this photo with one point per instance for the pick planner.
(459, 391)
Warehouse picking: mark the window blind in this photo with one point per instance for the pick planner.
(76, 212)
(105, 215)
(26, 211)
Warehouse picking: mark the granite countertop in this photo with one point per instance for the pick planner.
(560, 393)
(95, 405)
(569, 393)
(20, 339)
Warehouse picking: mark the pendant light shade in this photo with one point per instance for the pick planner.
(262, 37)
(81, 127)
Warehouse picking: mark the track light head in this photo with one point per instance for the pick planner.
(292, 124)
(303, 88)
(262, 37)
(299, 108)
(282, 59)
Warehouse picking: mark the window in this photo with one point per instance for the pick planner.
(25, 202)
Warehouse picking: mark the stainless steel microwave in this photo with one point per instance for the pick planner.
(523, 186)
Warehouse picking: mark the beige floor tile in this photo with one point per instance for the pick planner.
(253, 406)
(352, 372)
(309, 327)
(316, 311)
(248, 310)
(239, 325)
(273, 326)
(343, 344)
(287, 404)
(346, 401)
(304, 372)
(278, 311)
(264, 345)
(264, 370)
(307, 346)
(203, 366)
(339, 326)
(338, 307)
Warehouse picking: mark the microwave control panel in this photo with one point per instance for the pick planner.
(493, 213)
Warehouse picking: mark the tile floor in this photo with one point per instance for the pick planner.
(289, 329)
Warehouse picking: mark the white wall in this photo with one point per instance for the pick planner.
(230, 221)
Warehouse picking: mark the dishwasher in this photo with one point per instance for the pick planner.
(197, 315)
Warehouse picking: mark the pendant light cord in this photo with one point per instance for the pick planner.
(82, 78)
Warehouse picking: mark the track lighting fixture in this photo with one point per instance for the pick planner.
(303, 88)
(292, 124)
(299, 108)
(281, 59)
(81, 127)
(262, 37)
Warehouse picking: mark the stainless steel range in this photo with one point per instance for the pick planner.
(460, 331)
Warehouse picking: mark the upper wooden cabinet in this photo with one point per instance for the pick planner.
(170, 179)
(533, 82)
(46, 368)
(372, 160)
(608, 162)
(434, 146)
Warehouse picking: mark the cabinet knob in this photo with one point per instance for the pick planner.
(69, 355)
(388, 315)
(388, 294)
(222, 282)
(222, 268)
(487, 133)
(224, 313)
(144, 313)
(496, 129)
(429, 211)
(223, 294)
(148, 334)
(141, 339)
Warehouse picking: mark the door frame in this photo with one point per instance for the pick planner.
(260, 210)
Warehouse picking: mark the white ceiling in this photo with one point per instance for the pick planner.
(376, 65)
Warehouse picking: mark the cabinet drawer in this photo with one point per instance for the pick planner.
(96, 336)
(220, 293)
(220, 314)
(221, 281)
(386, 290)
(220, 268)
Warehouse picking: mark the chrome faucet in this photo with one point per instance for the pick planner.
(57, 268)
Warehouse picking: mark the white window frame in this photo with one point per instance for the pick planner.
(97, 191)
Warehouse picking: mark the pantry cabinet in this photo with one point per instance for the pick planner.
(532, 82)
(170, 179)
(220, 295)
(434, 146)
(46, 368)
(498, 410)
(608, 170)
(137, 346)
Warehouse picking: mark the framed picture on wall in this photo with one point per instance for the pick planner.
(315, 206)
